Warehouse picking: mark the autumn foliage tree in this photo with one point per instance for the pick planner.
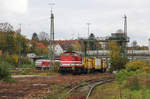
(11, 41)
(117, 60)
(138, 65)
(77, 46)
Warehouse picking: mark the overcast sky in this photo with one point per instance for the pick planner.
(71, 16)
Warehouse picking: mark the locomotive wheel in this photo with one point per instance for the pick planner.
(104, 70)
(80, 70)
(85, 71)
(88, 71)
(92, 70)
(74, 72)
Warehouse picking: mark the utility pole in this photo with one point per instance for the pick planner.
(20, 46)
(88, 24)
(125, 26)
(51, 49)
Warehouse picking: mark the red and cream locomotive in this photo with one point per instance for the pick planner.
(74, 63)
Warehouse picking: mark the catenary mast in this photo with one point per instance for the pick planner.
(125, 35)
(51, 49)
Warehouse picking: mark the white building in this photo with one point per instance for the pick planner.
(58, 50)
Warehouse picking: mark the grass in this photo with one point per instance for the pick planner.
(112, 91)
(83, 83)
(32, 72)
(58, 92)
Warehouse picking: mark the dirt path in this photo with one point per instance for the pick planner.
(37, 87)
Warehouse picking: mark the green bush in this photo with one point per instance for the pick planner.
(25, 60)
(124, 75)
(135, 83)
(12, 59)
(4, 72)
(28, 66)
(24, 72)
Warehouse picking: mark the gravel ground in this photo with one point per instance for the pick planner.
(35, 87)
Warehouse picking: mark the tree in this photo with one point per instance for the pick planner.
(11, 41)
(6, 27)
(35, 37)
(77, 46)
(42, 51)
(34, 48)
(117, 60)
(43, 36)
(69, 49)
(7, 38)
(7, 41)
(22, 45)
(134, 45)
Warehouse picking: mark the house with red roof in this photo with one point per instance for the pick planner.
(62, 45)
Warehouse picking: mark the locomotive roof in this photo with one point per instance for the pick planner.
(69, 52)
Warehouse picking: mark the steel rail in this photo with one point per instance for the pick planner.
(96, 84)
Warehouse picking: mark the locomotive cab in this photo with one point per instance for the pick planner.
(70, 62)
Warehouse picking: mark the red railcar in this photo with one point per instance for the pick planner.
(43, 63)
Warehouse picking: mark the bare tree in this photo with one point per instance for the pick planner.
(43, 36)
(6, 27)
(134, 45)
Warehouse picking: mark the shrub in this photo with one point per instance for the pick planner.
(124, 75)
(117, 59)
(28, 66)
(4, 72)
(138, 65)
(24, 72)
(12, 59)
(135, 84)
(25, 60)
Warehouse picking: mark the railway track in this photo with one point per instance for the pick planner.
(88, 87)
(96, 84)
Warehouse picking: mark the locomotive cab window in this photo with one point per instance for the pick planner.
(74, 54)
